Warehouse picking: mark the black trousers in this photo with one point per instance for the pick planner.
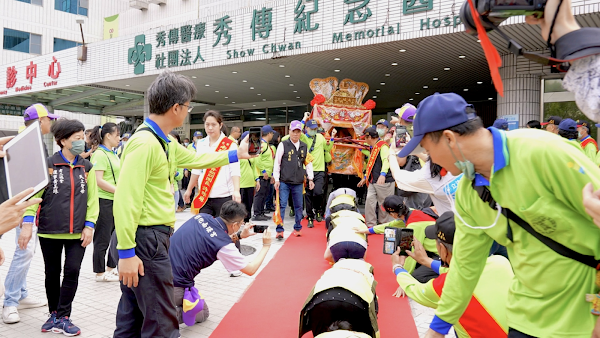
(213, 206)
(247, 199)
(261, 196)
(148, 310)
(512, 333)
(105, 227)
(424, 274)
(60, 296)
(314, 198)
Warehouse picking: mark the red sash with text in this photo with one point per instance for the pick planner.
(208, 180)
(587, 141)
(373, 158)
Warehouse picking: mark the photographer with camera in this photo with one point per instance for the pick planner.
(200, 242)
(486, 314)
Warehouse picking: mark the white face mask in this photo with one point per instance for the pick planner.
(450, 197)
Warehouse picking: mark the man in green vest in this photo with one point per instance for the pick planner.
(144, 211)
(535, 179)
(197, 135)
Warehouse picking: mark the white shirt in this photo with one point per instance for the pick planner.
(279, 155)
(223, 186)
(231, 258)
(421, 181)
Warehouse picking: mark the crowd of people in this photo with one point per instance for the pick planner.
(505, 224)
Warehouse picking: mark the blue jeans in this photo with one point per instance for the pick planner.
(284, 193)
(16, 278)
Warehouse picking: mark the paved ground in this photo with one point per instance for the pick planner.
(95, 304)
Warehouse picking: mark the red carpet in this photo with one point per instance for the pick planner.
(271, 306)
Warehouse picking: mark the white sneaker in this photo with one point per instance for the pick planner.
(236, 274)
(107, 277)
(10, 315)
(113, 272)
(31, 302)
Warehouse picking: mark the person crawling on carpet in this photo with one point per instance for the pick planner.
(346, 292)
(343, 241)
(201, 241)
(342, 329)
(486, 314)
(340, 199)
(417, 220)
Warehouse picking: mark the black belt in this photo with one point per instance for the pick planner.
(162, 228)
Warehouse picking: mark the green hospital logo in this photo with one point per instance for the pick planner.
(140, 53)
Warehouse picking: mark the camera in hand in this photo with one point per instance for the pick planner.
(254, 136)
(493, 12)
(259, 229)
(397, 237)
(400, 134)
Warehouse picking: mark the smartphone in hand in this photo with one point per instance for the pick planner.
(254, 137)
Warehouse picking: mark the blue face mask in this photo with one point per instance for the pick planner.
(312, 132)
(466, 167)
(578, 134)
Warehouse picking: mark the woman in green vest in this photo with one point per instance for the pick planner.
(107, 166)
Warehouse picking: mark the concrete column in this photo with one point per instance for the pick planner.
(146, 106)
(521, 90)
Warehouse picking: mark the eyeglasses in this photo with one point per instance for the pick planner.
(189, 108)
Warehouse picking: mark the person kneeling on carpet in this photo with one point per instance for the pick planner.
(342, 329)
(201, 241)
(417, 220)
(340, 199)
(486, 314)
(343, 241)
(346, 292)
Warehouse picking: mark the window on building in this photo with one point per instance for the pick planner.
(255, 115)
(72, 6)
(33, 2)
(277, 115)
(61, 44)
(296, 113)
(22, 41)
(197, 118)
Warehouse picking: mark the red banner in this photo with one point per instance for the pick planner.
(208, 180)
(373, 158)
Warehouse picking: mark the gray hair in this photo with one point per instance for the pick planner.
(167, 90)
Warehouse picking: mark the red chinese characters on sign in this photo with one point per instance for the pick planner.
(31, 72)
(54, 69)
(11, 77)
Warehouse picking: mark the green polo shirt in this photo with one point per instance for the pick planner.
(266, 159)
(143, 196)
(249, 173)
(105, 160)
(539, 176)
(321, 146)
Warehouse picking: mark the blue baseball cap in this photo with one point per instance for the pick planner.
(267, 129)
(438, 112)
(312, 124)
(501, 124)
(198, 133)
(245, 134)
(568, 125)
(384, 122)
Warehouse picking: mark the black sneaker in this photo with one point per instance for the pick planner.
(319, 218)
(260, 218)
(310, 223)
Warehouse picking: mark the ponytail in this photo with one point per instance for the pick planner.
(99, 132)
